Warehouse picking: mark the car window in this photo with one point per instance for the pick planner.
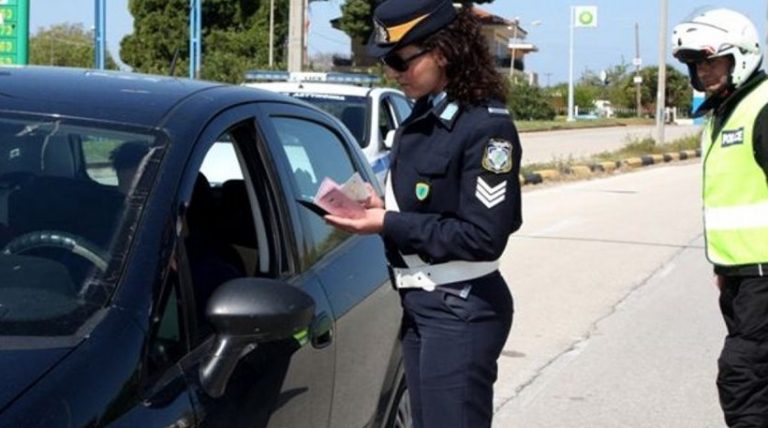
(315, 152)
(402, 105)
(167, 345)
(351, 110)
(64, 220)
(225, 228)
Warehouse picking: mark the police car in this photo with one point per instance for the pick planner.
(371, 114)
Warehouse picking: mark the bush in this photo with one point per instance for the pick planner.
(527, 102)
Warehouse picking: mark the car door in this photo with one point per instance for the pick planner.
(233, 224)
(351, 268)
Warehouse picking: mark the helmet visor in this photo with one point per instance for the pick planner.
(692, 55)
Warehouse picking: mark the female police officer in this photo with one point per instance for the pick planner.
(452, 200)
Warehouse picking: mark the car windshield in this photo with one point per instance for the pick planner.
(66, 189)
(351, 110)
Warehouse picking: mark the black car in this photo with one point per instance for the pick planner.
(158, 269)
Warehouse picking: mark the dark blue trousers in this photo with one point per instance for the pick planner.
(742, 379)
(450, 347)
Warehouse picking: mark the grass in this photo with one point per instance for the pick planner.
(560, 123)
(634, 148)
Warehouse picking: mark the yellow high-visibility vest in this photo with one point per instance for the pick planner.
(735, 188)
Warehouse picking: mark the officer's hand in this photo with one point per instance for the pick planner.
(372, 222)
(373, 200)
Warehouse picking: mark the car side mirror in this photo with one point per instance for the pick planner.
(389, 139)
(245, 312)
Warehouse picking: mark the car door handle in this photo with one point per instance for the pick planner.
(321, 331)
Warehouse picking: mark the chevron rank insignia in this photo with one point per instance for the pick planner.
(497, 157)
(490, 196)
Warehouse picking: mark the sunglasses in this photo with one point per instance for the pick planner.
(398, 63)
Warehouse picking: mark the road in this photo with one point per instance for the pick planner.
(562, 145)
(616, 321)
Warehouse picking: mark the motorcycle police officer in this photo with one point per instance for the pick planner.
(452, 200)
(722, 51)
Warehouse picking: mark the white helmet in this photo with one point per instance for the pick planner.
(716, 33)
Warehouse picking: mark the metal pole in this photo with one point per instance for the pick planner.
(199, 31)
(638, 90)
(99, 51)
(570, 73)
(194, 38)
(662, 83)
(271, 33)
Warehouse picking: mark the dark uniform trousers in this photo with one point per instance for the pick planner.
(451, 345)
(743, 365)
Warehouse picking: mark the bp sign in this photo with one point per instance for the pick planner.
(586, 18)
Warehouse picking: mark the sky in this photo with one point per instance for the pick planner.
(595, 49)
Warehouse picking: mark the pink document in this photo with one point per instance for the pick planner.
(332, 198)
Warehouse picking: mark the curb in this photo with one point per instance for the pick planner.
(540, 176)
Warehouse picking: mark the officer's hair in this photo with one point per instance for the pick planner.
(471, 71)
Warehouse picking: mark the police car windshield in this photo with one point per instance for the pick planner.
(66, 196)
(351, 110)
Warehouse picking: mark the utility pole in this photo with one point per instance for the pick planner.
(271, 33)
(638, 79)
(662, 83)
(295, 35)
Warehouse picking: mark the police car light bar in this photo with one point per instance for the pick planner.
(331, 77)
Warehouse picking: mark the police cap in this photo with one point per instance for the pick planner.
(398, 23)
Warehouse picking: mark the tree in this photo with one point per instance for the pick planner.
(235, 36)
(678, 90)
(584, 95)
(64, 45)
(528, 102)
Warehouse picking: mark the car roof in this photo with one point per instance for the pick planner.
(138, 99)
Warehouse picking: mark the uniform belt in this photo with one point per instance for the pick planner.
(429, 277)
(743, 270)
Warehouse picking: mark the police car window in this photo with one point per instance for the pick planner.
(314, 152)
(387, 120)
(403, 107)
(351, 110)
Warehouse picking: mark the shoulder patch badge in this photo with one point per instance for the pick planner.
(497, 157)
(498, 111)
(449, 112)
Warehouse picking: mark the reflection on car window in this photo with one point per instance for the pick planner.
(62, 207)
(314, 152)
